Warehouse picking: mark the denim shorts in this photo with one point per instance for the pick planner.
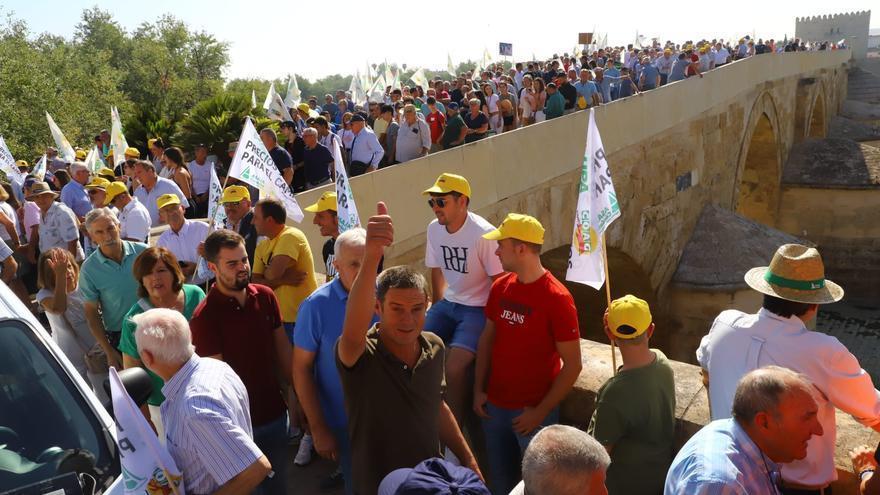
(458, 325)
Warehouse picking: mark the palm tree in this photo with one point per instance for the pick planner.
(216, 122)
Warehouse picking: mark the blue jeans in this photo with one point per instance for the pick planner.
(505, 447)
(271, 438)
(344, 446)
(458, 325)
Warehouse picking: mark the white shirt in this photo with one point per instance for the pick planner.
(134, 221)
(721, 56)
(148, 199)
(365, 147)
(466, 259)
(6, 209)
(58, 227)
(201, 176)
(738, 343)
(185, 242)
(70, 330)
(412, 140)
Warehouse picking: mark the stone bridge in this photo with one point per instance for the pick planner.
(698, 169)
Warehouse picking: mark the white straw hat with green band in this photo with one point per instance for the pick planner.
(797, 274)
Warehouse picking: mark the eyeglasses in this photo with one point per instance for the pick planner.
(440, 202)
(92, 192)
(232, 204)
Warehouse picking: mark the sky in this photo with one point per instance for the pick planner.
(273, 39)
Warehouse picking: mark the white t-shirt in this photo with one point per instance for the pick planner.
(134, 221)
(72, 338)
(467, 260)
(6, 209)
(201, 176)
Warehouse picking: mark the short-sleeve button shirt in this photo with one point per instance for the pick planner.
(185, 242)
(134, 221)
(58, 227)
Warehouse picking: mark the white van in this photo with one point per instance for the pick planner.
(55, 436)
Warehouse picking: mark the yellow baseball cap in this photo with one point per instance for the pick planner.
(629, 311)
(167, 199)
(132, 152)
(234, 194)
(448, 183)
(304, 107)
(81, 154)
(517, 226)
(327, 201)
(22, 164)
(113, 190)
(98, 183)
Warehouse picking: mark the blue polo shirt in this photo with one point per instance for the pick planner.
(651, 72)
(586, 89)
(318, 327)
(75, 196)
(111, 284)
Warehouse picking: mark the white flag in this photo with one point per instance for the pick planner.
(395, 83)
(216, 214)
(419, 79)
(389, 77)
(377, 90)
(146, 464)
(450, 67)
(64, 147)
(358, 95)
(92, 161)
(347, 212)
(7, 164)
(597, 207)
(252, 164)
(118, 144)
(275, 107)
(253, 98)
(39, 170)
(367, 80)
(292, 98)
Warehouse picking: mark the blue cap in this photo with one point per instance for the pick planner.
(433, 477)
(452, 106)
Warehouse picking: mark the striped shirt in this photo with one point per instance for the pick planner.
(721, 459)
(207, 424)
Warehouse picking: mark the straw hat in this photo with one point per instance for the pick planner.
(40, 188)
(797, 274)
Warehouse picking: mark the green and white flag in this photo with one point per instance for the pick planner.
(292, 98)
(252, 164)
(64, 147)
(275, 107)
(419, 79)
(7, 164)
(118, 144)
(597, 207)
(450, 67)
(347, 212)
(92, 162)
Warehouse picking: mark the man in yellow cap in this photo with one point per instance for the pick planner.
(107, 173)
(182, 237)
(236, 202)
(97, 191)
(327, 221)
(529, 354)
(134, 218)
(463, 266)
(635, 409)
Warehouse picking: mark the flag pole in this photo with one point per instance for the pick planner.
(608, 300)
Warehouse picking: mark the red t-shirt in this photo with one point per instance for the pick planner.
(529, 319)
(245, 336)
(435, 121)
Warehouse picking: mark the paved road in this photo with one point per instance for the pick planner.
(308, 479)
(858, 328)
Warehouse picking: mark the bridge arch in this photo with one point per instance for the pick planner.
(759, 170)
(817, 126)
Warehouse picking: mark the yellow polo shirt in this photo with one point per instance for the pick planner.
(290, 242)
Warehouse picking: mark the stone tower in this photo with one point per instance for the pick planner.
(853, 27)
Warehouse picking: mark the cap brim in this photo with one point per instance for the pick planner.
(53, 193)
(311, 208)
(828, 294)
(494, 235)
(435, 190)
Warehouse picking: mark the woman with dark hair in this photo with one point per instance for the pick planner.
(60, 297)
(60, 178)
(160, 285)
(156, 148)
(174, 168)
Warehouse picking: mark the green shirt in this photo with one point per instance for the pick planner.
(111, 284)
(192, 296)
(635, 413)
(453, 131)
(554, 106)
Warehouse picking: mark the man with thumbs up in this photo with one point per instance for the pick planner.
(392, 373)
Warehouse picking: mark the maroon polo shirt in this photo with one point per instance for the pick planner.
(245, 337)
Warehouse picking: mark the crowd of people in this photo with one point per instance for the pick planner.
(407, 382)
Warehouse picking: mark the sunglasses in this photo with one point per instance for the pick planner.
(440, 202)
(130, 162)
(232, 204)
(92, 192)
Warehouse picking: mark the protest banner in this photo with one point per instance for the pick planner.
(597, 207)
(505, 49)
(346, 210)
(61, 142)
(275, 107)
(252, 164)
(7, 164)
(147, 467)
